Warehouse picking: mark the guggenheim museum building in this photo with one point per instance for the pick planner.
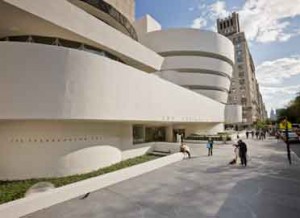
(83, 85)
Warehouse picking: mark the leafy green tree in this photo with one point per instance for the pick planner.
(292, 111)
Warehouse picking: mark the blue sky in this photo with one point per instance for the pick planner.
(271, 26)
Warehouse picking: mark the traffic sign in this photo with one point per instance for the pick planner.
(285, 124)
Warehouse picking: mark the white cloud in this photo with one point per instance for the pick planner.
(218, 10)
(262, 20)
(209, 13)
(199, 23)
(276, 71)
(278, 97)
(272, 75)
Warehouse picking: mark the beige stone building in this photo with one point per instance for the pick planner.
(244, 88)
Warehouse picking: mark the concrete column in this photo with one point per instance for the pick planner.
(169, 133)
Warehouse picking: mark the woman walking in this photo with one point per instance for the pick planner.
(210, 146)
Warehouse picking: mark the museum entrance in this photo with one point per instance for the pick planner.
(176, 132)
(142, 134)
(155, 134)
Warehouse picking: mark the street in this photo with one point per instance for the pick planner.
(201, 187)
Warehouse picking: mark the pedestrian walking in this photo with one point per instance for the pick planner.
(263, 135)
(242, 152)
(252, 133)
(247, 134)
(210, 146)
(257, 134)
(224, 138)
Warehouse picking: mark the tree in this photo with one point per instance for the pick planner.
(292, 111)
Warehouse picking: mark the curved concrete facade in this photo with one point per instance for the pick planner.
(65, 110)
(196, 81)
(198, 64)
(219, 96)
(72, 84)
(174, 42)
(67, 21)
(198, 60)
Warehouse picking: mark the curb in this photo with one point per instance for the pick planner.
(31, 204)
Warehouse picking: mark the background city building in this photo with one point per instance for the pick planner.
(244, 88)
(273, 115)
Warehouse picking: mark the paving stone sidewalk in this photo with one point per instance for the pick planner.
(200, 187)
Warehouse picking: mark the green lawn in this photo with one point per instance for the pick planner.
(12, 190)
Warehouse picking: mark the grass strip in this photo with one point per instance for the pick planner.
(12, 190)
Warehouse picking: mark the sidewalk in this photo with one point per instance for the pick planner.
(201, 187)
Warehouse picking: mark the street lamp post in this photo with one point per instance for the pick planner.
(287, 142)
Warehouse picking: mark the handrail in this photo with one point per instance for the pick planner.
(54, 41)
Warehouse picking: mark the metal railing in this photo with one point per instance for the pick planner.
(54, 41)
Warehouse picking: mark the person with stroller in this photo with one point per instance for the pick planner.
(242, 152)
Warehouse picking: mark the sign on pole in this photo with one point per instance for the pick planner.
(285, 125)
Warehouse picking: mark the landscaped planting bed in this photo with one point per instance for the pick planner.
(12, 190)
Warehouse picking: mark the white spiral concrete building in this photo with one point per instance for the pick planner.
(198, 60)
(78, 91)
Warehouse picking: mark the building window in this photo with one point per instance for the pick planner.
(244, 101)
(241, 74)
(239, 52)
(239, 59)
(138, 132)
(242, 81)
(238, 45)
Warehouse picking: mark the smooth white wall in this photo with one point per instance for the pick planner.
(201, 128)
(146, 25)
(49, 82)
(190, 40)
(219, 96)
(197, 79)
(198, 64)
(43, 148)
(233, 114)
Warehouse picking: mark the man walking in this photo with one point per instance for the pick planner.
(243, 152)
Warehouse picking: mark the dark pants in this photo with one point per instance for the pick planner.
(243, 157)
(210, 151)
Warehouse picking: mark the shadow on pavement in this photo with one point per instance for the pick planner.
(263, 196)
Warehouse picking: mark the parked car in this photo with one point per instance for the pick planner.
(293, 137)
